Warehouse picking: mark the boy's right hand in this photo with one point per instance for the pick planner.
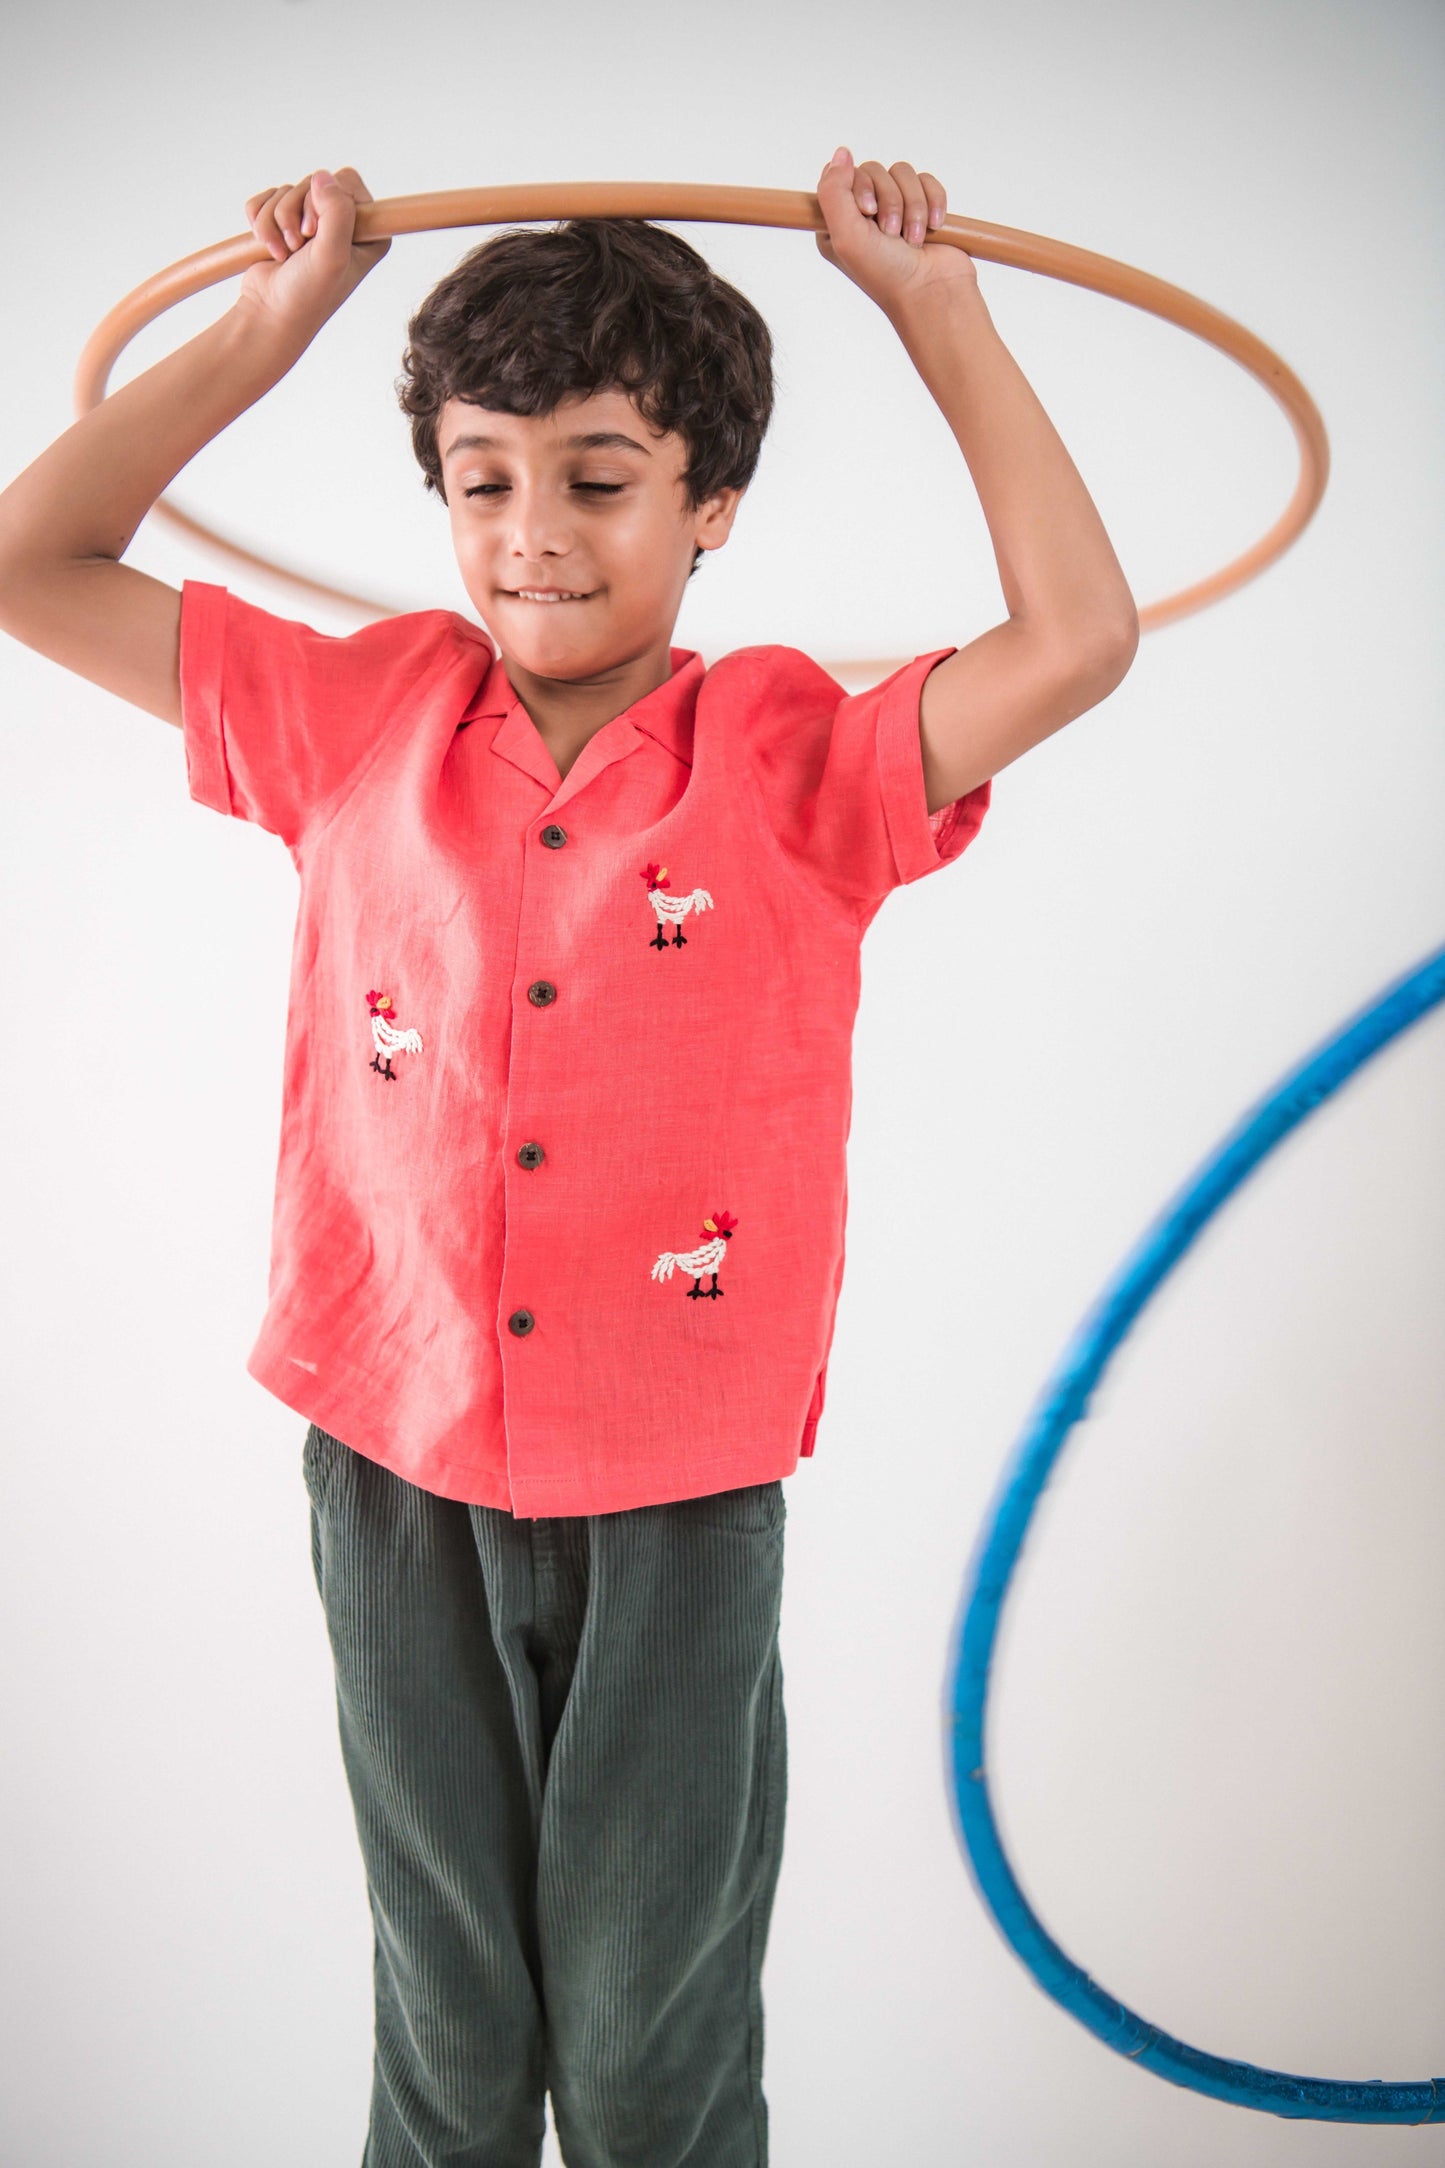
(314, 263)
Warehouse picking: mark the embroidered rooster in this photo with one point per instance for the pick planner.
(387, 1039)
(706, 1258)
(674, 908)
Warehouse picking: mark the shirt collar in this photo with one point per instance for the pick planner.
(665, 714)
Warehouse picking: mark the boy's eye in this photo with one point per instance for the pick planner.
(484, 489)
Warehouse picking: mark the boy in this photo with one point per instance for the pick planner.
(561, 1193)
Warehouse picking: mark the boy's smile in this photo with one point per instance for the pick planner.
(574, 539)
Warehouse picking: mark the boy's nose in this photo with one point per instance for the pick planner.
(538, 529)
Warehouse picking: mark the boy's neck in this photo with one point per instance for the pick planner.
(568, 712)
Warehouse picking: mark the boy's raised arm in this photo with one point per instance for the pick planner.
(69, 517)
(1072, 629)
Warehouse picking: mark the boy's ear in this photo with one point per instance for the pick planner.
(716, 515)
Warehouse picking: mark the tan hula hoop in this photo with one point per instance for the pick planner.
(796, 209)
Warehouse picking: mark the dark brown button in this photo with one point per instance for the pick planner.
(531, 1155)
(521, 1322)
(553, 836)
(541, 992)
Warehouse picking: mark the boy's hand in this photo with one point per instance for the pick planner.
(877, 223)
(317, 265)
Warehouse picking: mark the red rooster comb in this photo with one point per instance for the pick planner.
(377, 1000)
(721, 1223)
(655, 874)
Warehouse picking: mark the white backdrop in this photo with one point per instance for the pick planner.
(1219, 1734)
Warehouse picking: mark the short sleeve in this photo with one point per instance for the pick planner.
(278, 718)
(842, 776)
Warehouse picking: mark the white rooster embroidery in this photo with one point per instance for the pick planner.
(706, 1258)
(673, 908)
(386, 1038)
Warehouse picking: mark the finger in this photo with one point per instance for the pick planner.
(334, 245)
(835, 182)
(913, 211)
(288, 212)
(352, 182)
(347, 178)
(271, 220)
(865, 187)
(339, 202)
(887, 195)
(937, 196)
(263, 222)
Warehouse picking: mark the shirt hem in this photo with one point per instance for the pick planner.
(922, 841)
(202, 645)
(536, 1497)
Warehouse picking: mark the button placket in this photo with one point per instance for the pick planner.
(541, 994)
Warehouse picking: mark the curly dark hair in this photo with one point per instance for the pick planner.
(532, 317)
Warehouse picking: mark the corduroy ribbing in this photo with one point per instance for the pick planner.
(566, 1749)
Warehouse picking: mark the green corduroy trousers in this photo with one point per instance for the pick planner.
(566, 1750)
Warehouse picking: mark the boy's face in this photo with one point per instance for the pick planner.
(534, 507)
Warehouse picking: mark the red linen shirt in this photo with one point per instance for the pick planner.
(561, 1189)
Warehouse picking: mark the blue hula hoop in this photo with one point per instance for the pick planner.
(1062, 1403)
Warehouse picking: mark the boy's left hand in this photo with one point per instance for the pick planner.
(878, 219)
